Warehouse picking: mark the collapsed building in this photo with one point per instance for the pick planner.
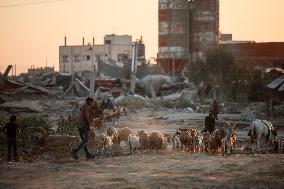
(102, 65)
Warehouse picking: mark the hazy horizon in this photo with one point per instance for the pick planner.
(31, 34)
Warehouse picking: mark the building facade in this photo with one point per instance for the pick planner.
(36, 72)
(249, 55)
(80, 58)
(187, 28)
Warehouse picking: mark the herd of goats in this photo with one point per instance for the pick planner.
(222, 140)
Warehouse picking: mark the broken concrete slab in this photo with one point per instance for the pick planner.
(22, 106)
(133, 101)
(248, 115)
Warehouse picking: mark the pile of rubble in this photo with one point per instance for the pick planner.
(253, 111)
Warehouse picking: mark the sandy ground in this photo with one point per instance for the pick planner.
(156, 169)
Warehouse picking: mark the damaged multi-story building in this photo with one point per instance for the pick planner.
(109, 58)
(187, 28)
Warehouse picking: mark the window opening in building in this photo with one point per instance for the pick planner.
(65, 58)
(107, 41)
(76, 58)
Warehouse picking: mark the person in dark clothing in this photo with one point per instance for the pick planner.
(11, 129)
(215, 109)
(84, 121)
(209, 123)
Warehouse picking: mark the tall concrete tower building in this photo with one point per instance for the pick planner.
(187, 28)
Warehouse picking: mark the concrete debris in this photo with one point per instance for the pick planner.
(186, 98)
(279, 109)
(231, 107)
(277, 84)
(131, 101)
(189, 110)
(248, 115)
(103, 93)
(188, 94)
(22, 106)
(77, 88)
(153, 83)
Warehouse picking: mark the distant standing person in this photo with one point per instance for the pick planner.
(12, 129)
(215, 109)
(209, 123)
(84, 121)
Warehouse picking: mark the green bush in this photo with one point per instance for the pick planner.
(3, 121)
(256, 87)
(34, 126)
(185, 104)
(66, 126)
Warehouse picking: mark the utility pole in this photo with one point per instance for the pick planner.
(134, 66)
(93, 73)
(174, 65)
(72, 72)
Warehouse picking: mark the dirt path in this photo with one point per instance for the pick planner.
(156, 169)
(176, 170)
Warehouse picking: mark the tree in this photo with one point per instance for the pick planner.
(220, 66)
(256, 87)
(218, 69)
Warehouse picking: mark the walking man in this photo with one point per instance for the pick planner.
(84, 121)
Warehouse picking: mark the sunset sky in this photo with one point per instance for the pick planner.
(29, 34)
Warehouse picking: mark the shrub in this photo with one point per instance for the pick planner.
(66, 126)
(34, 126)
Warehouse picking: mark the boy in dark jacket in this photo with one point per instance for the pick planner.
(209, 123)
(11, 129)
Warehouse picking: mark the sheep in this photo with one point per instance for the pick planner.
(205, 142)
(215, 142)
(103, 142)
(119, 135)
(184, 136)
(124, 133)
(133, 142)
(113, 134)
(157, 141)
(200, 147)
(233, 141)
(189, 139)
(115, 113)
(143, 139)
(225, 131)
(176, 141)
(111, 131)
(195, 142)
(179, 138)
